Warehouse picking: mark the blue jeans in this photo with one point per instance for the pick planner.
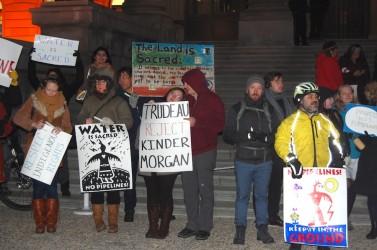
(248, 175)
(42, 190)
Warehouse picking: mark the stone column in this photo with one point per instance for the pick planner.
(266, 22)
(154, 13)
(373, 19)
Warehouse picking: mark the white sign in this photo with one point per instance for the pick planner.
(315, 207)
(45, 154)
(165, 139)
(54, 50)
(361, 118)
(104, 157)
(9, 55)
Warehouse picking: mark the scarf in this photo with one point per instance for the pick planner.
(50, 107)
(273, 100)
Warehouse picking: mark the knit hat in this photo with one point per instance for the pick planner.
(325, 93)
(254, 79)
(329, 45)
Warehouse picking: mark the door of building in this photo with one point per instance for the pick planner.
(347, 19)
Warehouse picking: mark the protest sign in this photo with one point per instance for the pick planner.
(315, 207)
(54, 50)
(45, 154)
(9, 55)
(165, 140)
(156, 67)
(104, 157)
(360, 118)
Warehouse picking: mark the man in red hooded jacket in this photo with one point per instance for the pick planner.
(206, 121)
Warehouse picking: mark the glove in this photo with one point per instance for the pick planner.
(32, 50)
(76, 54)
(106, 121)
(14, 76)
(296, 166)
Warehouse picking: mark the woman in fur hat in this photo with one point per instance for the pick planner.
(46, 105)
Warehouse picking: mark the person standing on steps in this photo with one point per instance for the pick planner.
(68, 90)
(274, 94)
(206, 122)
(104, 103)
(299, 8)
(46, 105)
(318, 10)
(160, 186)
(250, 126)
(366, 178)
(124, 77)
(308, 138)
(327, 70)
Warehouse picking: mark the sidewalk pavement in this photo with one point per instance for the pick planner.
(78, 232)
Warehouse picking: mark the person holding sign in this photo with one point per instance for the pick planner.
(250, 126)
(307, 138)
(366, 178)
(160, 186)
(206, 121)
(47, 105)
(109, 108)
(68, 90)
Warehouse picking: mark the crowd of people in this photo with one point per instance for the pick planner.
(268, 132)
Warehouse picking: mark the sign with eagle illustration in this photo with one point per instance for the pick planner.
(104, 157)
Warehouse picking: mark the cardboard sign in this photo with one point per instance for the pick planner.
(104, 157)
(165, 139)
(315, 207)
(159, 66)
(9, 54)
(360, 118)
(45, 154)
(54, 50)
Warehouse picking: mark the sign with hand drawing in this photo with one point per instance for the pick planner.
(104, 157)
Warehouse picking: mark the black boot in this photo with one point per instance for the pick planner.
(65, 189)
(239, 238)
(153, 214)
(264, 235)
(373, 232)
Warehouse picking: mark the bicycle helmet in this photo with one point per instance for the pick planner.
(303, 89)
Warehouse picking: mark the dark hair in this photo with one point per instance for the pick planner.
(55, 80)
(101, 49)
(352, 49)
(58, 72)
(328, 47)
(128, 70)
(270, 76)
(175, 88)
(92, 82)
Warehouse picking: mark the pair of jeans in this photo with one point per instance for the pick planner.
(44, 191)
(248, 175)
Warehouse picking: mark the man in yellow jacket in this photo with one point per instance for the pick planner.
(307, 138)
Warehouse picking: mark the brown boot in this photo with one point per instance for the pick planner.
(113, 217)
(39, 206)
(153, 216)
(98, 217)
(167, 211)
(52, 208)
